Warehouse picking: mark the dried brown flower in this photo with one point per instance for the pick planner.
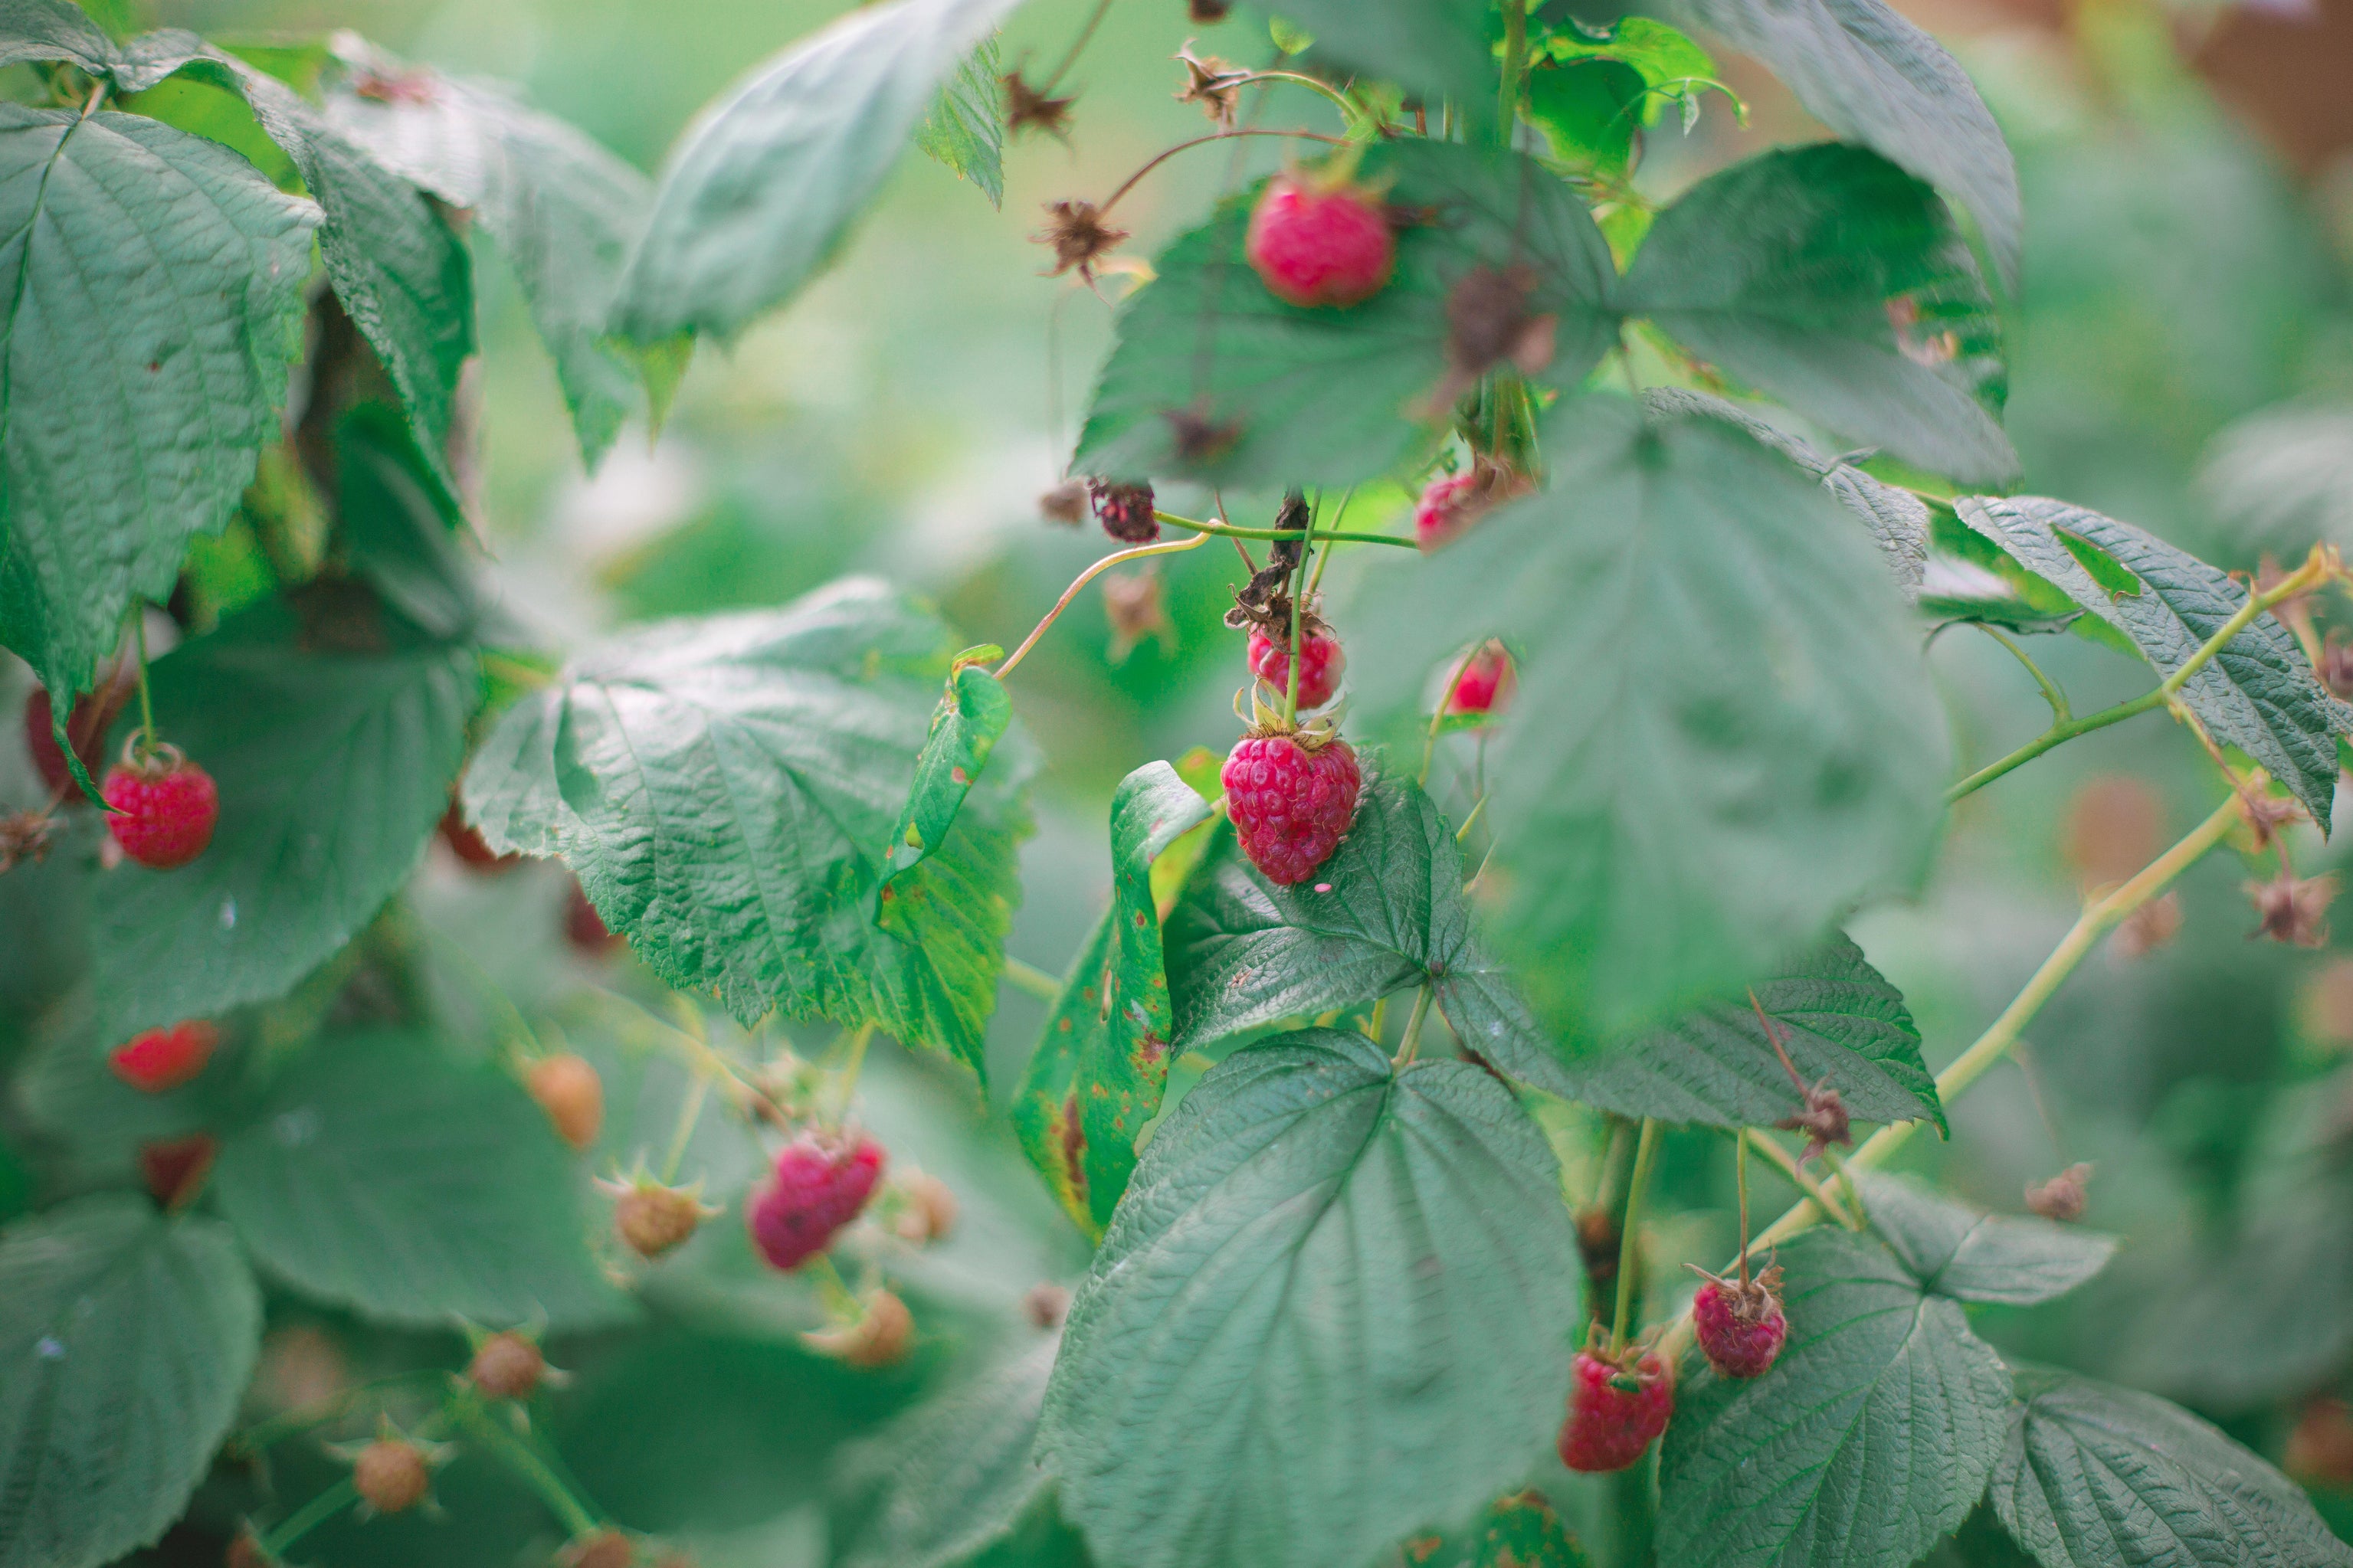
(1079, 237)
(1029, 108)
(1214, 84)
(1137, 606)
(1066, 503)
(2291, 908)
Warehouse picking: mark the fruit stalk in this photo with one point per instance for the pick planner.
(1167, 547)
(1327, 535)
(1646, 1154)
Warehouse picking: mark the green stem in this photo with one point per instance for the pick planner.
(1740, 1181)
(1298, 592)
(1615, 1162)
(1030, 978)
(839, 1298)
(1326, 534)
(2060, 713)
(1645, 1154)
(2057, 735)
(1437, 716)
(1129, 183)
(576, 1515)
(1516, 68)
(1412, 1044)
(308, 1517)
(1788, 1166)
(1167, 547)
(844, 1083)
(1078, 45)
(1347, 110)
(689, 1113)
(147, 704)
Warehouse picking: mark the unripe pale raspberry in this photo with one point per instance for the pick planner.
(1608, 1427)
(605, 1549)
(1741, 1328)
(1319, 667)
(1485, 684)
(392, 1474)
(1314, 243)
(507, 1366)
(927, 1208)
(819, 1186)
(881, 1337)
(572, 1094)
(161, 1059)
(651, 1219)
(1291, 805)
(164, 810)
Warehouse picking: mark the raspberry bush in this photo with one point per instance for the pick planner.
(487, 1089)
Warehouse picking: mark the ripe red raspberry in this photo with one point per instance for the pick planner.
(174, 1168)
(1485, 684)
(1741, 1325)
(1125, 509)
(1319, 669)
(473, 851)
(585, 929)
(1449, 504)
(84, 726)
(1290, 804)
(572, 1094)
(160, 1059)
(1615, 1410)
(1315, 242)
(164, 809)
(817, 1186)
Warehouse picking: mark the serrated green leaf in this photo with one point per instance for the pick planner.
(1523, 1531)
(400, 527)
(2006, 1259)
(1295, 395)
(1843, 1022)
(128, 1339)
(1590, 109)
(1386, 912)
(1103, 1060)
(2258, 693)
(965, 132)
(332, 769)
(1335, 1306)
(956, 1473)
(762, 189)
(727, 789)
(1968, 577)
(1870, 74)
(1872, 1436)
(1433, 48)
(1898, 519)
(561, 209)
(970, 719)
(1834, 281)
(386, 1177)
(2284, 477)
(169, 275)
(2099, 1477)
(54, 30)
(1714, 673)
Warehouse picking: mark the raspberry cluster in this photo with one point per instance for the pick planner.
(1617, 1408)
(1740, 1324)
(1292, 803)
(819, 1186)
(1315, 241)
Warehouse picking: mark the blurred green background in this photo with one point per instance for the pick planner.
(2189, 178)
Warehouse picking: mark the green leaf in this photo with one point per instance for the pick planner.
(1523, 1531)
(1968, 577)
(1873, 76)
(970, 721)
(2099, 1477)
(955, 1474)
(1589, 109)
(1386, 912)
(727, 789)
(2005, 1259)
(1102, 1060)
(2284, 477)
(1898, 519)
(54, 30)
(1433, 48)
(1872, 1436)
(1837, 282)
(1724, 738)
(1842, 1020)
(2258, 693)
(128, 1340)
(963, 132)
(332, 769)
(761, 191)
(401, 528)
(1295, 395)
(1335, 1307)
(386, 1177)
(561, 209)
(168, 275)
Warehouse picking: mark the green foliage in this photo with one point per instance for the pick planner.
(963, 132)
(1872, 1436)
(1849, 295)
(2285, 478)
(1523, 1531)
(2001, 1259)
(727, 790)
(1292, 394)
(1333, 1307)
(1843, 1022)
(169, 275)
(1615, 810)
(332, 768)
(1594, 89)
(384, 1175)
(1102, 1057)
(970, 721)
(762, 192)
(2098, 1476)
(2258, 693)
(128, 1339)
(1434, 48)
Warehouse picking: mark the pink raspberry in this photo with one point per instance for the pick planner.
(1291, 804)
(1741, 1327)
(1616, 1409)
(1449, 504)
(1317, 243)
(1485, 684)
(161, 1059)
(819, 1186)
(164, 809)
(1319, 669)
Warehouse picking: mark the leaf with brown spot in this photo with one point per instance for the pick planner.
(1102, 1057)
